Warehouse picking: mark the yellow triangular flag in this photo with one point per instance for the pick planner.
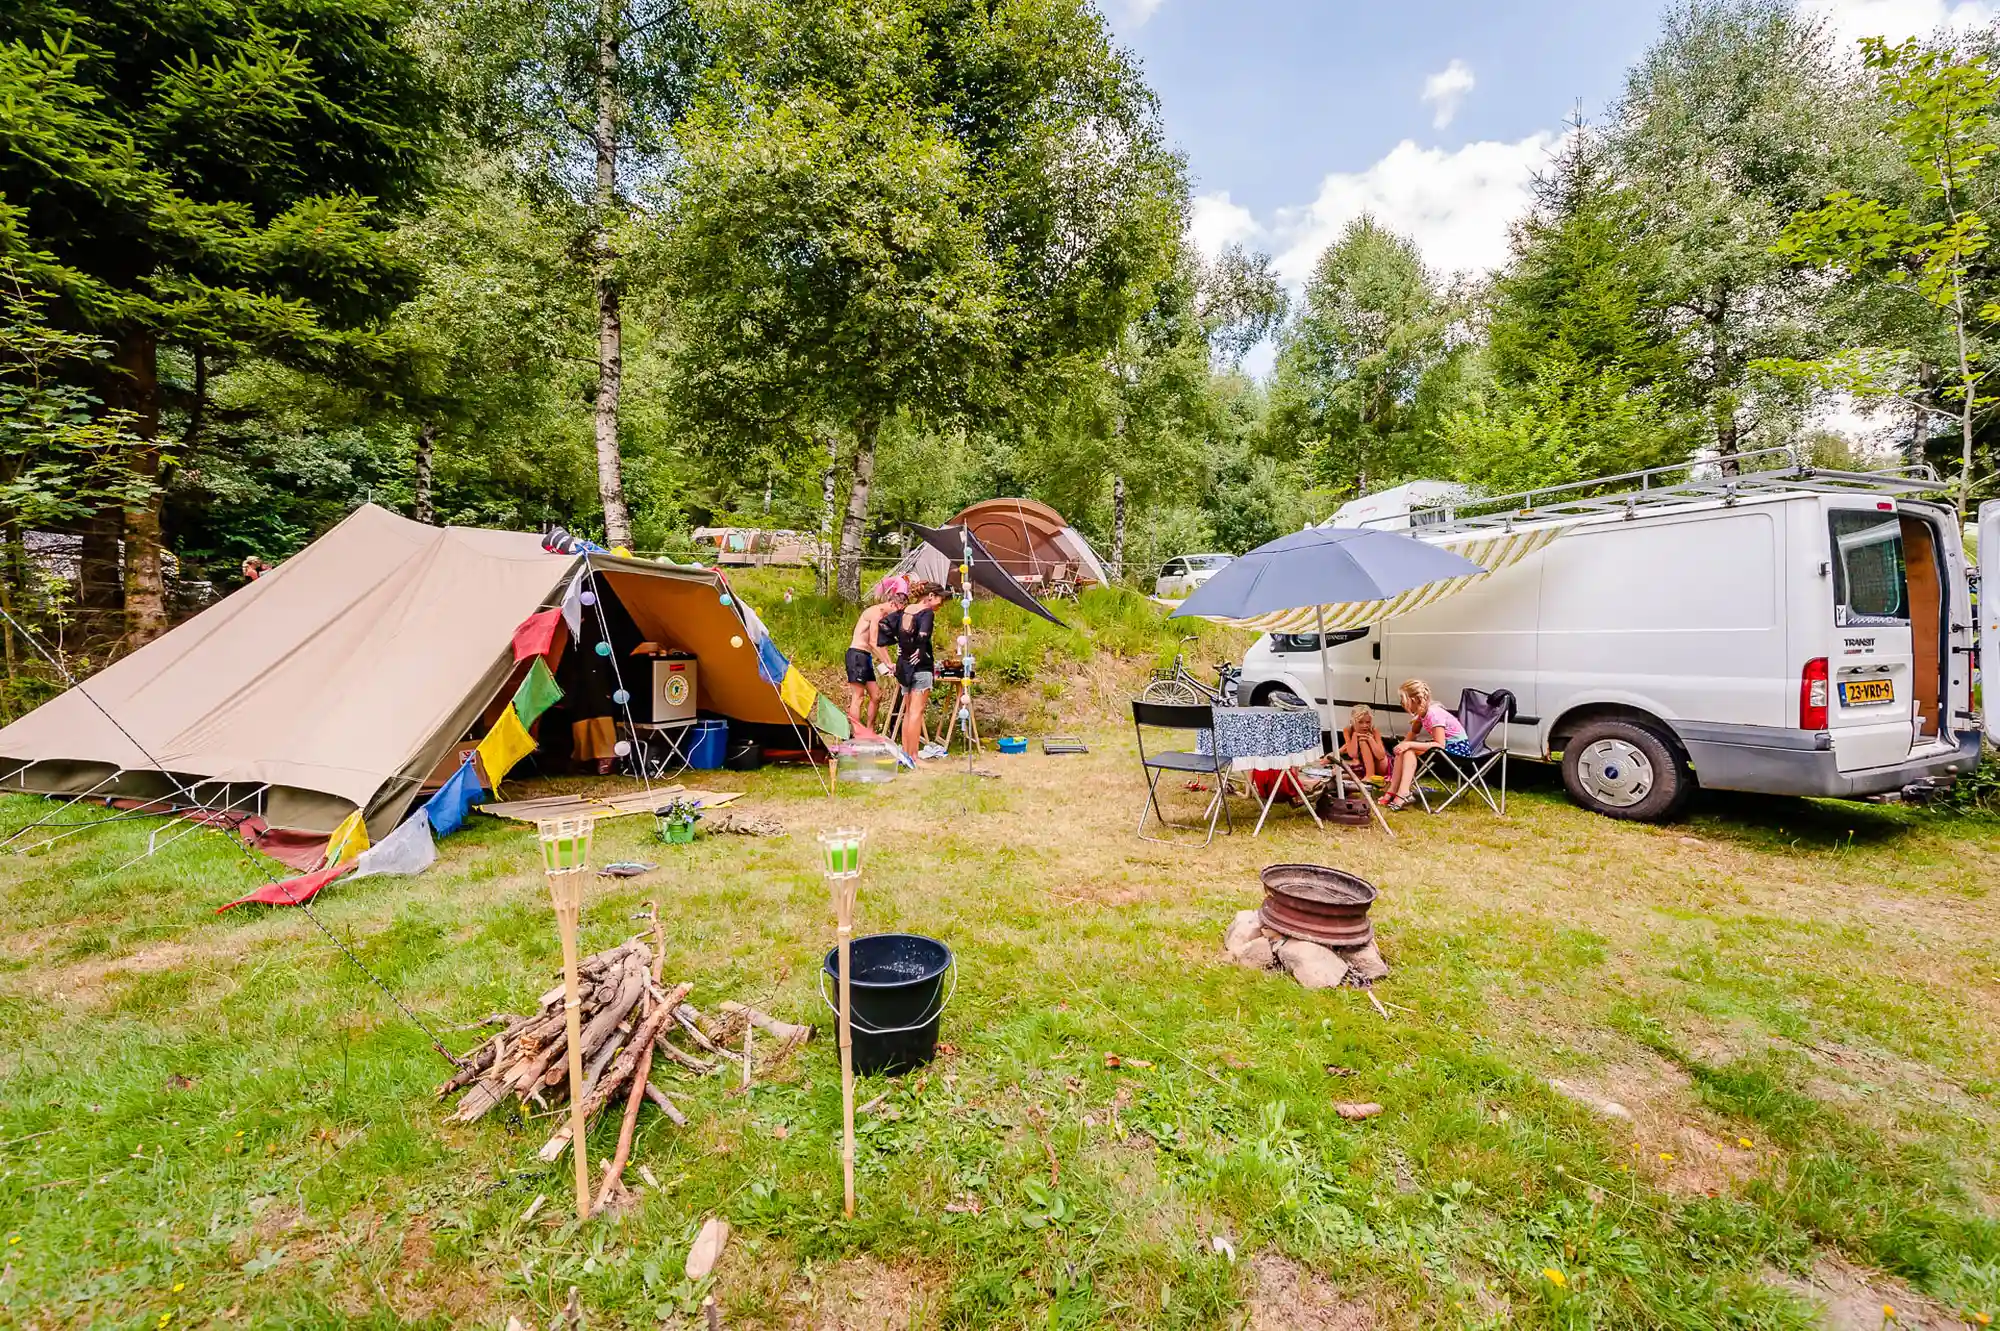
(798, 693)
(348, 840)
(506, 744)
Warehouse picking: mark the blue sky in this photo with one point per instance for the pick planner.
(1297, 115)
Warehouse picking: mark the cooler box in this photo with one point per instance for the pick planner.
(671, 692)
(708, 745)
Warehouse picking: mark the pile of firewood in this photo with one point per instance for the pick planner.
(629, 1023)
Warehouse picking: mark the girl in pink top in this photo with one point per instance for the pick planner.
(1431, 727)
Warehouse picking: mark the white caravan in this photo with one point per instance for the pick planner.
(1791, 631)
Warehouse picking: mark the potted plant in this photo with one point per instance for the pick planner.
(673, 822)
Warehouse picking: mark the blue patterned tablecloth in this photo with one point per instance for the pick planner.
(1263, 737)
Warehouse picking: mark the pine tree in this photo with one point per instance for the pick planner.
(204, 176)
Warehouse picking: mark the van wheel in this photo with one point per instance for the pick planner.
(1622, 769)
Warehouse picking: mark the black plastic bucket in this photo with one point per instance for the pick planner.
(899, 997)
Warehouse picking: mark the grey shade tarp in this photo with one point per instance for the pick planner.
(986, 571)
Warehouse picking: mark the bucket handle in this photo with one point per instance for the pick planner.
(863, 1026)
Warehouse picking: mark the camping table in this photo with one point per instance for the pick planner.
(1263, 739)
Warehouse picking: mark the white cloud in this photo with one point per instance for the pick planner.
(1897, 19)
(1217, 223)
(1132, 13)
(1455, 204)
(1445, 90)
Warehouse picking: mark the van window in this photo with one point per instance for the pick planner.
(1309, 642)
(1870, 588)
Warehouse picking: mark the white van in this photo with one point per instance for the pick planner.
(1794, 632)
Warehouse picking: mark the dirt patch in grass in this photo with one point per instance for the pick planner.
(863, 1294)
(1285, 1296)
(1850, 1299)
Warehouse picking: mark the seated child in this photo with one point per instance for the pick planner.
(1431, 727)
(1363, 749)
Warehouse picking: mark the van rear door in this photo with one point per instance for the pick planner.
(1989, 614)
(1869, 700)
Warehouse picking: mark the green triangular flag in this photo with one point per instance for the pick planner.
(829, 719)
(538, 692)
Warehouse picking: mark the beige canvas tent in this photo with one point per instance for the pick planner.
(343, 677)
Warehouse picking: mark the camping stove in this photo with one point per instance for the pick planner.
(1318, 904)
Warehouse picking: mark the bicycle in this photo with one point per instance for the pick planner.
(1178, 685)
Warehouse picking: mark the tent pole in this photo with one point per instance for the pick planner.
(62, 808)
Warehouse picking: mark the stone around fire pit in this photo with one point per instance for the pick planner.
(1313, 966)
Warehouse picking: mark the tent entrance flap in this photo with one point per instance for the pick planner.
(684, 611)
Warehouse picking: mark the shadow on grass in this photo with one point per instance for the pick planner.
(1784, 822)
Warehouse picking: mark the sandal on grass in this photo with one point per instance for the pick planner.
(1395, 805)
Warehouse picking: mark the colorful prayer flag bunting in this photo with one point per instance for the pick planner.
(293, 891)
(348, 840)
(538, 692)
(407, 850)
(447, 809)
(828, 719)
(797, 692)
(505, 744)
(537, 634)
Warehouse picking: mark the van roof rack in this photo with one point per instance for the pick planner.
(1648, 489)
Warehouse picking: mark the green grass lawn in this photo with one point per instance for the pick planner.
(218, 1120)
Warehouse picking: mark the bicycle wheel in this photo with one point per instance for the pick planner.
(1171, 691)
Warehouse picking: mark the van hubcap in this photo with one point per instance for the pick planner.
(1615, 773)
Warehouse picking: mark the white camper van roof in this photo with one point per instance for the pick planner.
(1630, 493)
(1393, 507)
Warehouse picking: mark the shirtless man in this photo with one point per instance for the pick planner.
(865, 652)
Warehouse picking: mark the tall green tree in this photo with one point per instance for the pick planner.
(582, 98)
(204, 176)
(1740, 116)
(916, 207)
(1582, 366)
(1355, 367)
(1939, 103)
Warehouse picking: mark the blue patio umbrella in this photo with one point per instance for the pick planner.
(1321, 567)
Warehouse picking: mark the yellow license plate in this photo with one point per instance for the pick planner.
(1862, 692)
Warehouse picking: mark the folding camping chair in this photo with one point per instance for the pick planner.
(1179, 716)
(1481, 714)
(1062, 580)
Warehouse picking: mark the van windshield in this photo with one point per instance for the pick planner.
(1870, 588)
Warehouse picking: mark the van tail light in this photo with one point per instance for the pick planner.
(1814, 693)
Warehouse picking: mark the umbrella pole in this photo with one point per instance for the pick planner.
(1326, 687)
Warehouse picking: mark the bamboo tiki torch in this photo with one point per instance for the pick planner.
(842, 849)
(565, 858)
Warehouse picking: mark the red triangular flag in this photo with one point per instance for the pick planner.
(537, 635)
(293, 891)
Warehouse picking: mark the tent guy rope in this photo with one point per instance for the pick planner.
(250, 857)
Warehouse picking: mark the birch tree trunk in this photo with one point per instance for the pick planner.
(1117, 530)
(610, 328)
(826, 514)
(855, 522)
(426, 441)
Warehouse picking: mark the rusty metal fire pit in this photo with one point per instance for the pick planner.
(1318, 904)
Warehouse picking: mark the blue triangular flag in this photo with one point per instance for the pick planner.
(455, 798)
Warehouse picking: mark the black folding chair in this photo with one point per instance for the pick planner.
(1178, 716)
(1481, 714)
